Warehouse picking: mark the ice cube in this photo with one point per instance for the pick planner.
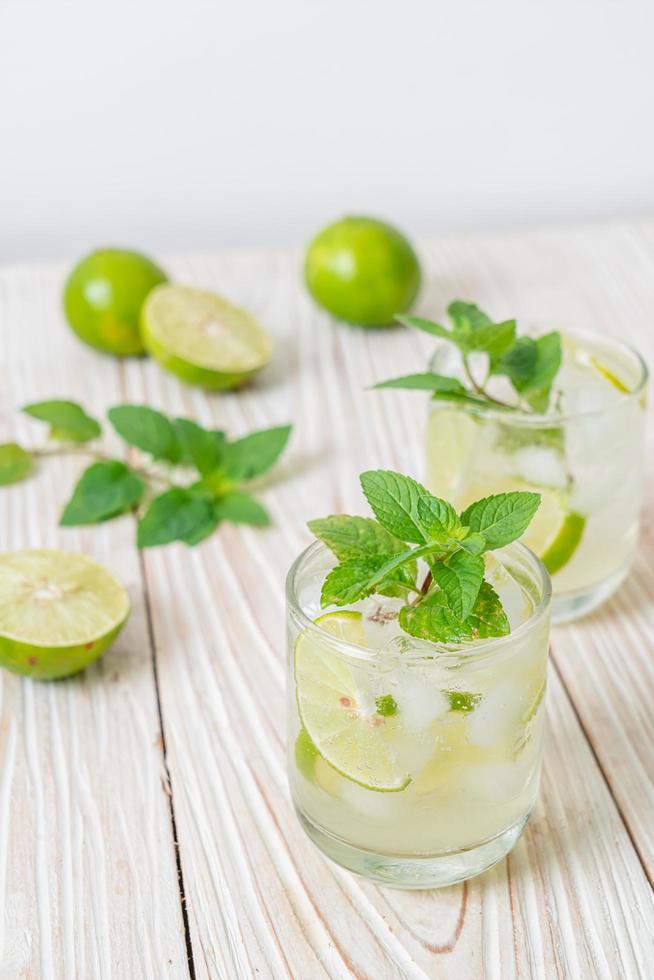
(380, 620)
(496, 718)
(540, 466)
(419, 698)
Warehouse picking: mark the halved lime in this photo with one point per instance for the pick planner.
(58, 612)
(338, 713)
(202, 338)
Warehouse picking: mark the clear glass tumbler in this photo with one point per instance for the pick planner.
(585, 457)
(412, 763)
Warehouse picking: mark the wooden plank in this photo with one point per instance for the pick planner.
(573, 899)
(88, 881)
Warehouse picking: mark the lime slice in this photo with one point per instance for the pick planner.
(338, 714)
(609, 375)
(451, 440)
(555, 532)
(58, 612)
(202, 338)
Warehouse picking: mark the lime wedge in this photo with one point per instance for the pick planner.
(58, 612)
(555, 532)
(202, 338)
(338, 714)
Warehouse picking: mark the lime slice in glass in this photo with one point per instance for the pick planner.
(555, 532)
(338, 713)
(202, 338)
(58, 612)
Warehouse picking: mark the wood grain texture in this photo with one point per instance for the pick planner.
(573, 899)
(88, 882)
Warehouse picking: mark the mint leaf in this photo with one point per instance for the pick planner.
(394, 500)
(460, 577)
(241, 508)
(517, 363)
(104, 490)
(255, 454)
(201, 448)
(147, 429)
(433, 619)
(488, 617)
(353, 579)
(467, 317)
(462, 700)
(386, 705)
(68, 420)
(349, 537)
(494, 339)
(474, 543)
(437, 519)
(180, 514)
(536, 388)
(437, 383)
(501, 518)
(427, 326)
(15, 463)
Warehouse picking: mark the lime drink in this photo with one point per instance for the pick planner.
(583, 454)
(412, 762)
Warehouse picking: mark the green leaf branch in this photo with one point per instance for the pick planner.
(531, 365)
(454, 602)
(187, 481)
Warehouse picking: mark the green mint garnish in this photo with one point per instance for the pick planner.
(386, 705)
(169, 506)
(379, 557)
(462, 700)
(530, 365)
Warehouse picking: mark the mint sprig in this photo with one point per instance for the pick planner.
(454, 603)
(531, 365)
(186, 481)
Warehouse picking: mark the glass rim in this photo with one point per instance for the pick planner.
(542, 420)
(470, 652)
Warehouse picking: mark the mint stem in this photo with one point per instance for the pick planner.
(99, 457)
(480, 389)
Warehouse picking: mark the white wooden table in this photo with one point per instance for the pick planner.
(145, 824)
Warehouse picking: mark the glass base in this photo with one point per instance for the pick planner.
(572, 605)
(430, 871)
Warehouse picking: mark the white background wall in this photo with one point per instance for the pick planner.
(183, 123)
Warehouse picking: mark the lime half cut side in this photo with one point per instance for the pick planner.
(338, 713)
(202, 338)
(58, 612)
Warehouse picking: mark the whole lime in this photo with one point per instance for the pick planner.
(103, 297)
(362, 270)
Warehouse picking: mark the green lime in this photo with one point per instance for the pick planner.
(305, 754)
(58, 612)
(363, 271)
(340, 716)
(202, 338)
(103, 297)
(564, 543)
